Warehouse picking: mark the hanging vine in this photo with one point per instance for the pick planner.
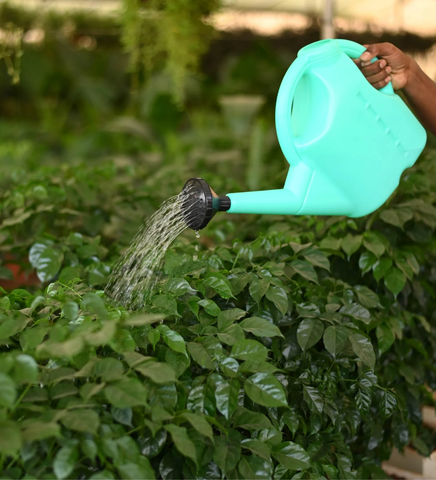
(173, 29)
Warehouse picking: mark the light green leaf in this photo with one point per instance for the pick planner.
(226, 395)
(253, 467)
(356, 311)
(291, 419)
(260, 327)
(139, 469)
(317, 258)
(82, 421)
(231, 334)
(95, 304)
(128, 392)
(219, 283)
(159, 372)
(37, 430)
(200, 355)
(173, 339)
(335, 339)
(10, 438)
(258, 288)
(257, 447)
(199, 422)
(265, 389)
(395, 280)
(8, 392)
(210, 306)
(249, 420)
(366, 261)
(279, 297)
(374, 242)
(397, 217)
(385, 338)
(362, 347)
(309, 332)
(291, 455)
(249, 350)
(144, 319)
(366, 297)
(227, 317)
(313, 398)
(182, 441)
(351, 243)
(305, 269)
(65, 460)
(46, 259)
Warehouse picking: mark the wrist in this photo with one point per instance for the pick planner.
(414, 74)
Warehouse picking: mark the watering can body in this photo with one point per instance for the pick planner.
(346, 142)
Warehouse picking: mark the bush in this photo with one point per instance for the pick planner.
(304, 353)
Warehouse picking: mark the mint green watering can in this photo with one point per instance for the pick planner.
(347, 143)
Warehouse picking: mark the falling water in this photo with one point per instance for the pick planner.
(134, 276)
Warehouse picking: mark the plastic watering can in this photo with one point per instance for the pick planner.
(347, 143)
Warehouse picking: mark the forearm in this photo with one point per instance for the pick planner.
(421, 94)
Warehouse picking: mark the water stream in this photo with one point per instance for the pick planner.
(134, 276)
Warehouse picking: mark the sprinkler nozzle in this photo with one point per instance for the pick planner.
(200, 203)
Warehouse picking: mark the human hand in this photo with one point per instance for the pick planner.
(392, 65)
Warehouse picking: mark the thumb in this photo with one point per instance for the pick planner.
(376, 50)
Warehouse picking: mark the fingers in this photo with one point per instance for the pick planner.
(377, 50)
(369, 68)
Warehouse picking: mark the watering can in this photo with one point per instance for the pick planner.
(347, 143)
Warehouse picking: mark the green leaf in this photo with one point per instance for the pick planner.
(397, 217)
(374, 243)
(291, 455)
(366, 297)
(140, 469)
(362, 347)
(11, 327)
(257, 447)
(351, 243)
(249, 350)
(70, 311)
(182, 441)
(104, 475)
(178, 286)
(25, 369)
(385, 338)
(381, 267)
(154, 337)
(305, 269)
(82, 421)
(260, 327)
(331, 243)
(219, 283)
(291, 419)
(313, 398)
(200, 355)
(309, 332)
(65, 460)
(46, 259)
(95, 304)
(254, 467)
(10, 438)
(8, 392)
(122, 415)
(279, 297)
(226, 395)
(167, 304)
(144, 319)
(159, 372)
(231, 334)
(128, 392)
(201, 399)
(108, 369)
(335, 339)
(388, 403)
(265, 389)
(173, 339)
(366, 261)
(257, 367)
(199, 422)
(258, 288)
(356, 311)
(228, 451)
(37, 430)
(227, 317)
(317, 258)
(395, 281)
(249, 420)
(210, 306)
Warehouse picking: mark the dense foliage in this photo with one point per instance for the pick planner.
(302, 349)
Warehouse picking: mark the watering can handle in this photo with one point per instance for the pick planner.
(354, 50)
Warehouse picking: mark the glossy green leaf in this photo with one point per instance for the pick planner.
(128, 392)
(291, 456)
(159, 372)
(317, 258)
(226, 395)
(249, 350)
(258, 288)
(249, 420)
(219, 283)
(279, 297)
(82, 421)
(8, 392)
(200, 355)
(351, 243)
(335, 338)
(396, 217)
(260, 327)
(356, 311)
(385, 338)
(265, 389)
(366, 261)
(259, 448)
(173, 339)
(305, 269)
(374, 242)
(140, 468)
(65, 460)
(362, 347)
(10, 438)
(254, 467)
(381, 267)
(395, 280)
(182, 441)
(210, 306)
(309, 332)
(200, 423)
(314, 399)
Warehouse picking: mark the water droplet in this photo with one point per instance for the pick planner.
(197, 233)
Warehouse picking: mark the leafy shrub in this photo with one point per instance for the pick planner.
(304, 353)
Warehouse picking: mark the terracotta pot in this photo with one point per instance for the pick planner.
(21, 278)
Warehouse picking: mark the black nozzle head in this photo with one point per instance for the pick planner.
(199, 203)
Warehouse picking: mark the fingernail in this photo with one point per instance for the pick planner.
(388, 69)
(383, 64)
(365, 64)
(388, 79)
(365, 56)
